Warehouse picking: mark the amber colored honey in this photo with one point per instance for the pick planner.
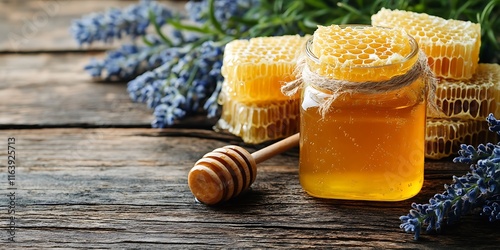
(368, 148)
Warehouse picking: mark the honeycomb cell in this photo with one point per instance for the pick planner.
(444, 136)
(443, 41)
(474, 98)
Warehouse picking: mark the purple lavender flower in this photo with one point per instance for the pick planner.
(192, 85)
(170, 109)
(127, 62)
(492, 210)
(147, 88)
(115, 23)
(494, 124)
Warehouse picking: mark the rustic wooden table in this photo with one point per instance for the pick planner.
(91, 173)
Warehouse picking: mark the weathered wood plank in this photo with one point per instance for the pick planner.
(43, 25)
(127, 188)
(53, 90)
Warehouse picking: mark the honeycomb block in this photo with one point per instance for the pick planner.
(256, 69)
(444, 136)
(452, 46)
(354, 53)
(258, 122)
(474, 98)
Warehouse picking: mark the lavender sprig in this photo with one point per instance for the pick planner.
(479, 188)
(183, 85)
(127, 62)
(115, 23)
(191, 85)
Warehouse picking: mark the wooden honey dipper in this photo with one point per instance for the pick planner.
(225, 172)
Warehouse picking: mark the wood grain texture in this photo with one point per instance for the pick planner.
(44, 25)
(127, 188)
(53, 89)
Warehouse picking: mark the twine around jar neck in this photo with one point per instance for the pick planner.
(339, 87)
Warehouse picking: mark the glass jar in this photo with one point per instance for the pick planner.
(364, 146)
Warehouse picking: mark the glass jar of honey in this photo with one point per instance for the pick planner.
(363, 112)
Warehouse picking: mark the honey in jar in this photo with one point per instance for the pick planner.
(364, 142)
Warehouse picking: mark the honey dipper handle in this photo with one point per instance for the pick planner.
(276, 148)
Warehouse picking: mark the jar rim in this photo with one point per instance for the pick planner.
(411, 55)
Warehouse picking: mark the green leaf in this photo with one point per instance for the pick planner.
(317, 4)
(152, 19)
(181, 26)
(213, 20)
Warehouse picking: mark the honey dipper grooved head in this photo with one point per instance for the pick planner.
(222, 174)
